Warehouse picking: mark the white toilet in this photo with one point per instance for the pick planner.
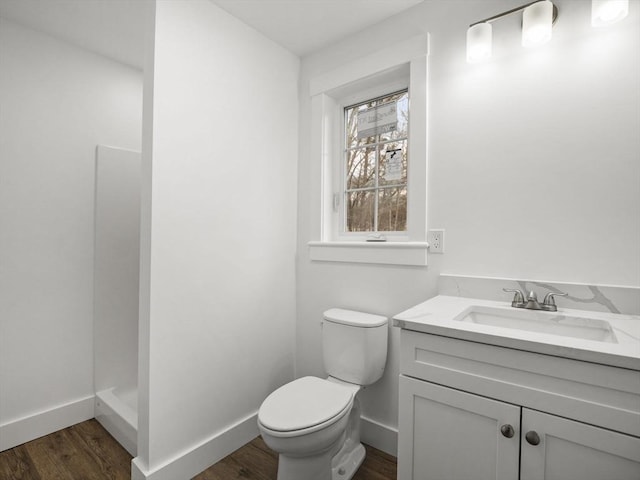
(313, 423)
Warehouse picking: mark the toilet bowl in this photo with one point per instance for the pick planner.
(314, 423)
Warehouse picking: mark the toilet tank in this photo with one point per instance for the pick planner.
(354, 345)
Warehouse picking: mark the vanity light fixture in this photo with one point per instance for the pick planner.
(537, 19)
(606, 12)
(479, 39)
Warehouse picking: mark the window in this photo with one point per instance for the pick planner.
(375, 164)
(371, 184)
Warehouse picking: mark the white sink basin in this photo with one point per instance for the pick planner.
(539, 321)
(598, 337)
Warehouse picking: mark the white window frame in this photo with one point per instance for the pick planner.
(403, 65)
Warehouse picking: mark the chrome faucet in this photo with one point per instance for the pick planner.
(548, 304)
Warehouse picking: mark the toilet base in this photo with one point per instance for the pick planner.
(348, 464)
(326, 466)
(317, 467)
(351, 455)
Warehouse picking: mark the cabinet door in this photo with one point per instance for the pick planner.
(446, 434)
(569, 450)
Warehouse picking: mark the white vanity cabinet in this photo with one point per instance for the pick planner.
(449, 434)
(574, 450)
(466, 409)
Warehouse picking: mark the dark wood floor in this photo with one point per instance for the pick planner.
(87, 452)
(82, 452)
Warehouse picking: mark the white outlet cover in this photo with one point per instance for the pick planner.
(436, 240)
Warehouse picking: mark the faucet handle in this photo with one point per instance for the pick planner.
(550, 302)
(518, 297)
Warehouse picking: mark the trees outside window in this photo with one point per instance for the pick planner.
(376, 159)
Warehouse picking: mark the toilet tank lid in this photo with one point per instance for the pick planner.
(354, 319)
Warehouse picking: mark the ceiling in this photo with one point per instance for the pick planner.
(114, 28)
(305, 26)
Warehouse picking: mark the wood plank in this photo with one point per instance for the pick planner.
(15, 464)
(113, 461)
(63, 450)
(226, 469)
(44, 463)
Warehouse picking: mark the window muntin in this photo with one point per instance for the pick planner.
(375, 170)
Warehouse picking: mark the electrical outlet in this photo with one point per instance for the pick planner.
(436, 241)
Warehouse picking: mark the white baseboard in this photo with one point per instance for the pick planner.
(201, 457)
(379, 436)
(17, 432)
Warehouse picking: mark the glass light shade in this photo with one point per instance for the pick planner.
(606, 12)
(537, 21)
(479, 38)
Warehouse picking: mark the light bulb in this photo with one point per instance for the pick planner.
(537, 20)
(606, 12)
(479, 38)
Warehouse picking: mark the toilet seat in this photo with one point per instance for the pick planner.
(304, 406)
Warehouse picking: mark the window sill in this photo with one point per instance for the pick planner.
(385, 253)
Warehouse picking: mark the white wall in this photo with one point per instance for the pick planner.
(534, 164)
(219, 193)
(533, 158)
(57, 102)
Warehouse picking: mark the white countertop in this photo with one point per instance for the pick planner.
(437, 316)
